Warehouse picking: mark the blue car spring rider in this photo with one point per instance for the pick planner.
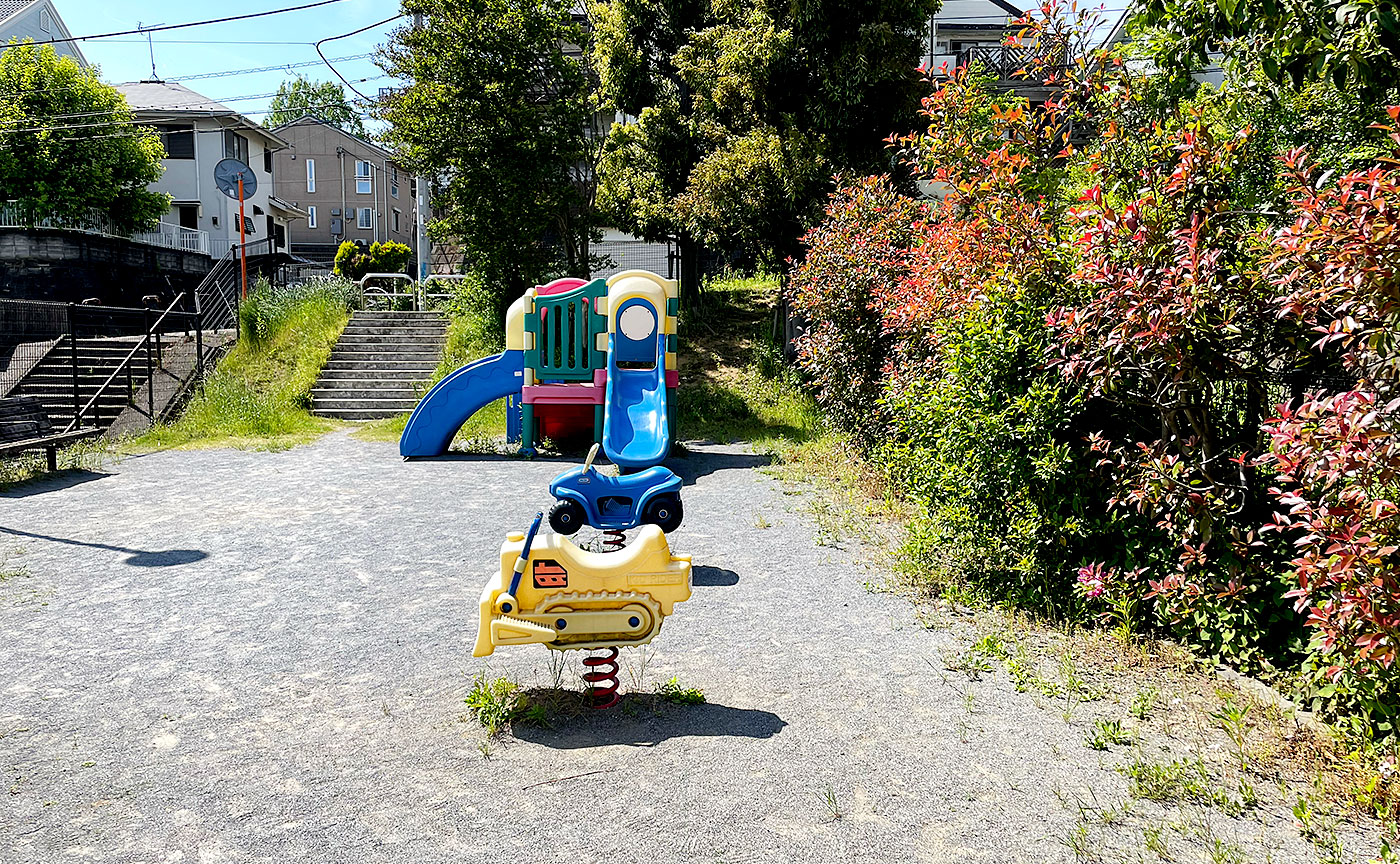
(586, 497)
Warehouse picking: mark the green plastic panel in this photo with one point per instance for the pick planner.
(566, 327)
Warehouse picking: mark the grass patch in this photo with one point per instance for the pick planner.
(260, 394)
(87, 455)
(494, 702)
(733, 384)
(674, 692)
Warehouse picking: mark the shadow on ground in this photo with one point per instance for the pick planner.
(702, 463)
(638, 720)
(63, 479)
(135, 557)
(712, 577)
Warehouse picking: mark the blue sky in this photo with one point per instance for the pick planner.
(222, 47)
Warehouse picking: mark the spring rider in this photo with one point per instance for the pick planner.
(549, 591)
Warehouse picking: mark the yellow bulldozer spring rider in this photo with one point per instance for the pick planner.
(549, 591)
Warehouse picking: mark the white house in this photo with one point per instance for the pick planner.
(198, 132)
(37, 20)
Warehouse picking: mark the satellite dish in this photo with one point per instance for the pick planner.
(226, 175)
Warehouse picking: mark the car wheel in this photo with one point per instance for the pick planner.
(665, 513)
(566, 517)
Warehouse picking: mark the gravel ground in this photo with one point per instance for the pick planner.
(241, 656)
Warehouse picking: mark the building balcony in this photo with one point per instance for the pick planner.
(13, 215)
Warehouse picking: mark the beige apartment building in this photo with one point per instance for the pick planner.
(349, 188)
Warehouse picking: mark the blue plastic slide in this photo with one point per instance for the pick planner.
(636, 432)
(456, 398)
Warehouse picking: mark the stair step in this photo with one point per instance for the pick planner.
(360, 414)
(374, 375)
(397, 394)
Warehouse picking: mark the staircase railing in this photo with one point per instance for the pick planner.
(152, 363)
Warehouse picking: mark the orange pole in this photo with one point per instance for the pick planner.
(242, 242)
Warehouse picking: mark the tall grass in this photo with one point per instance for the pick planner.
(260, 393)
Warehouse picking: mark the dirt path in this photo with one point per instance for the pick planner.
(230, 656)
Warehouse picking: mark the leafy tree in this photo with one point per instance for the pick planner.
(746, 108)
(1353, 43)
(324, 100)
(68, 146)
(497, 113)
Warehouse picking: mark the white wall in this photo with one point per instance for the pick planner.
(193, 180)
(25, 25)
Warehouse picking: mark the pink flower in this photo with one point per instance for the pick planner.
(1092, 579)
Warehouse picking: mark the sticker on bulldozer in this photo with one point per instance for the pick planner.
(548, 574)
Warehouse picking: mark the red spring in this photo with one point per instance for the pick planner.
(602, 678)
(613, 540)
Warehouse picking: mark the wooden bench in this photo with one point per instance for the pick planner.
(24, 425)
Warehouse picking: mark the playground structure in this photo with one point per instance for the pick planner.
(579, 354)
(596, 356)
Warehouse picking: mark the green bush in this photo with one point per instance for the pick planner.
(352, 260)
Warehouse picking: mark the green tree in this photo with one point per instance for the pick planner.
(324, 100)
(1355, 44)
(68, 145)
(746, 108)
(497, 112)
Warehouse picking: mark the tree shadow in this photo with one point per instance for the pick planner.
(703, 463)
(54, 482)
(713, 577)
(565, 722)
(135, 557)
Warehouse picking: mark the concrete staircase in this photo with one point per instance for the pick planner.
(380, 366)
(51, 380)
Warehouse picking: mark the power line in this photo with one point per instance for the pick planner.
(151, 120)
(346, 36)
(304, 63)
(163, 27)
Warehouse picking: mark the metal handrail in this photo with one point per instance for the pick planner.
(150, 374)
(412, 292)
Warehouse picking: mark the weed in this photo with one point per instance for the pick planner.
(1107, 733)
(1180, 780)
(493, 702)
(1143, 703)
(638, 661)
(1232, 718)
(761, 522)
(673, 692)
(1080, 843)
(484, 748)
(970, 663)
(1153, 837)
(833, 807)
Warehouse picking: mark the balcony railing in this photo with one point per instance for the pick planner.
(1001, 61)
(14, 215)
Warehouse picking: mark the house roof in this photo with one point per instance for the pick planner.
(308, 119)
(148, 98)
(8, 8)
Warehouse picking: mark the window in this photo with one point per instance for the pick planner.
(396, 221)
(366, 217)
(310, 175)
(188, 215)
(45, 21)
(178, 141)
(394, 181)
(364, 185)
(311, 216)
(235, 146)
(267, 160)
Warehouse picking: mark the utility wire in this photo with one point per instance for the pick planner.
(204, 75)
(346, 36)
(162, 27)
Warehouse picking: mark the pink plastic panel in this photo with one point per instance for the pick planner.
(559, 286)
(562, 394)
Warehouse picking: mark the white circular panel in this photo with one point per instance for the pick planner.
(636, 322)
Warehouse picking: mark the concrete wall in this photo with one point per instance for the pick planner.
(69, 267)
